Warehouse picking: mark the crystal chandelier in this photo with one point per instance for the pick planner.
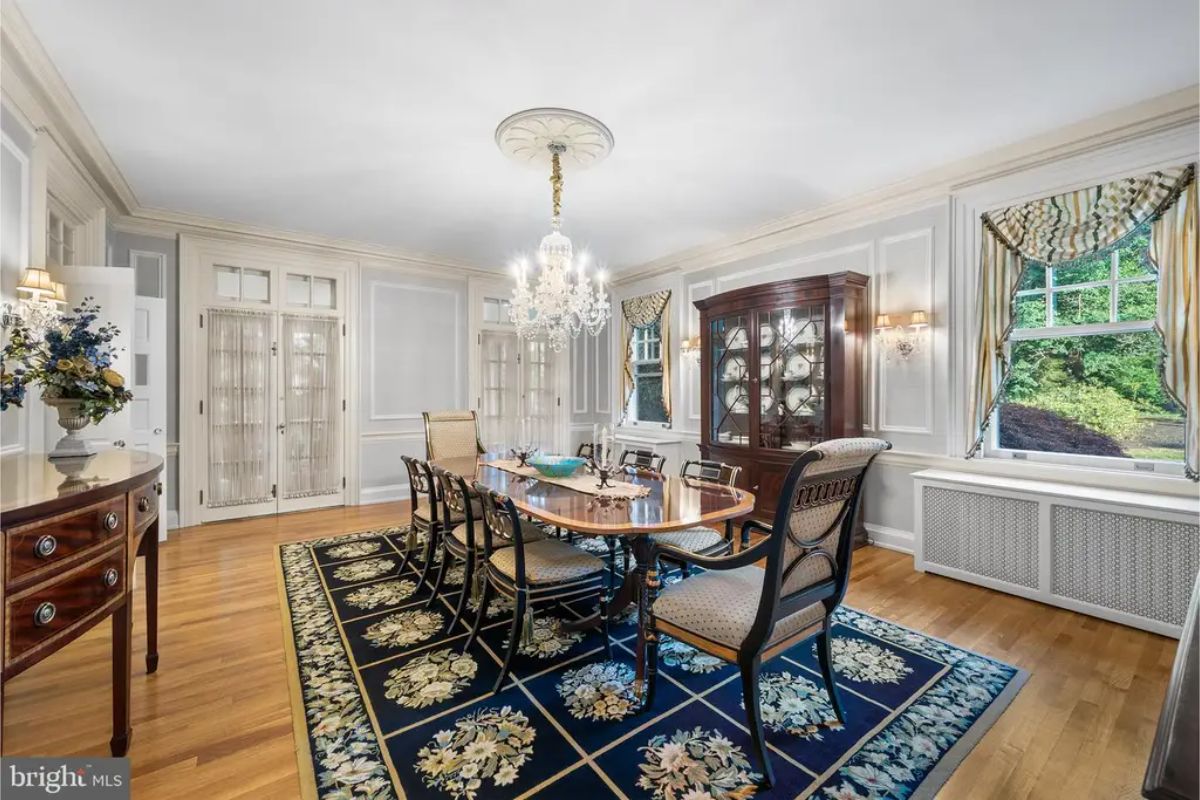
(565, 300)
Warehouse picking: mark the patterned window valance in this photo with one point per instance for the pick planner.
(1067, 226)
(642, 312)
(1070, 225)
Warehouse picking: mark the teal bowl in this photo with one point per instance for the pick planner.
(556, 466)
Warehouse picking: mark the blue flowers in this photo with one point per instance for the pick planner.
(72, 361)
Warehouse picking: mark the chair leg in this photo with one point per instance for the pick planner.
(484, 599)
(514, 639)
(825, 656)
(750, 697)
(468, 576)
(432, 542)
(441, 576)
(408, 551)
(602, 599)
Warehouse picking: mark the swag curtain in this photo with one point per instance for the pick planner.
(1073, 224)
(642, 312)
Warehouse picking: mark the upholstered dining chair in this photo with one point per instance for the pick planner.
(425, 518)
(747, 615)
(643, 458)
(528, 572)
(701, 539)
(586, 450)
(463, 515)
(451, 434)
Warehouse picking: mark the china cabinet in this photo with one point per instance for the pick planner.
(781, 370)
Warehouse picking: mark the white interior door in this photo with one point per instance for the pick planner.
(500, 390)
(541, 383)
(310, 412)
(148, 409)
(112, 289)
(239, 414)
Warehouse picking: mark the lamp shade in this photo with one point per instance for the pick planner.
(919, 320)
(60, 294)
(883, 321)
(36, 283)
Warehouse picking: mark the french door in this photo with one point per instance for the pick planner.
(519, 378)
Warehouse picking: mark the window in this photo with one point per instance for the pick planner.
(646, 405)
(242, 283)
(60, 237)
(1085, 362)
(497, 311)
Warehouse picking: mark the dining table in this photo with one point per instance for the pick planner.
(671, 504)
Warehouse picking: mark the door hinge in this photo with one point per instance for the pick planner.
(201, 406)
(343, 329)
(343, 405)
(479, 402)
(274, 348)
(343, 481)
(201, 320)
(201, 497)
(558, 402)
(274, 490)
(479, 338)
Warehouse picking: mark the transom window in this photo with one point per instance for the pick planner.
(1085, 362)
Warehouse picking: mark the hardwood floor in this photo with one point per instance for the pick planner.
(215, 720)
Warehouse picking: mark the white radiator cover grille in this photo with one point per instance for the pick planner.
(983, 534)
(1135, 564)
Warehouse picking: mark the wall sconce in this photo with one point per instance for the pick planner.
(901, 341)
(690, 348)
(41, 299)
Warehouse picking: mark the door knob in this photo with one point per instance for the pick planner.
(119, 443)
(281, 427)
(158, 431)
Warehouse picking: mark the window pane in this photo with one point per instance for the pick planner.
(1031, 311)
(1091, 395)
(1137, 301)
(256, 285)
(297, 290)
(323, 293)
(148, 277)
(491, 310)
(1083, 270)
(649, 400)
(1081, 306)
(1034, 277)
(1133, 256)
(229, 282)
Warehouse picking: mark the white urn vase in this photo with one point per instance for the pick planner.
(72, 419)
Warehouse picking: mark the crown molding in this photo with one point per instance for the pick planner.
(1159, 114)
(168, 224)
(39, 90)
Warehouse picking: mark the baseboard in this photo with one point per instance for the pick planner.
(383, 494)
(890, 538)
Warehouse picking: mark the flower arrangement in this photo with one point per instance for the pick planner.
(73, 361)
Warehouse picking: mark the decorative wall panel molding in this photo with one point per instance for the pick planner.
(415, 335)
(893, 299)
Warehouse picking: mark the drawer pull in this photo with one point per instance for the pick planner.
(143, 504)
(45, 546)
(110, 577)
(111, 520)
(43, 615)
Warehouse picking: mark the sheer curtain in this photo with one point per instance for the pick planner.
(311, 406)
(239, 447)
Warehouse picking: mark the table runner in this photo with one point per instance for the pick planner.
(581, 481)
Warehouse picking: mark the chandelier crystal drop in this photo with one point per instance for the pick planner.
(562, 299)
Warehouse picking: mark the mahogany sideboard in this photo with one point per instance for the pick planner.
(72, 531)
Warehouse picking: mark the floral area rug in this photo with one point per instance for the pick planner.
(387, 704)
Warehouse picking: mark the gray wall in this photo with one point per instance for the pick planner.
(119, 245)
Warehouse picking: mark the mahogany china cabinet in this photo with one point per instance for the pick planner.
(781, 370)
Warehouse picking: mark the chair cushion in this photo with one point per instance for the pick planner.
(720, 605)
(548, 561)
(422, 509)
(531, 533)
(693, 540)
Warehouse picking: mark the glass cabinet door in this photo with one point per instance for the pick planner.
(792, 377)
(730, 399)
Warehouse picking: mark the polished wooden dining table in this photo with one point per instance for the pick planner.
(673, 504)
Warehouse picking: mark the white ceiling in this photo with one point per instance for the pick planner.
(373, 119)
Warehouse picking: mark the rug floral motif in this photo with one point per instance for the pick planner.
(389, 705)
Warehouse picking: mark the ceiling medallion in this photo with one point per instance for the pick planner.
(564, 301)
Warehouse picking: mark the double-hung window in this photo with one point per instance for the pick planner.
(1085, 363)
(646, 362)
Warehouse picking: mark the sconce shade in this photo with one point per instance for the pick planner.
(60, 294)
(919, 319)
(36, 283)
(883, 321)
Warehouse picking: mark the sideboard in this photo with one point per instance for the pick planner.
(72, 532)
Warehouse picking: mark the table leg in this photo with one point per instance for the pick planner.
(625, 597)
(151, 539)
(646, 655)
(122, 655)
